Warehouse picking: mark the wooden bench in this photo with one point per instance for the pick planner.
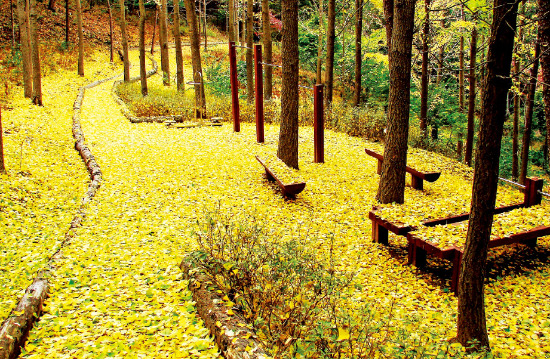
(288, 190)
(417, 177)
(418, 249)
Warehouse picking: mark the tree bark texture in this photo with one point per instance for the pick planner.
(110, 30)
(124, 41)
(155, 21)
(392, 178)
(142, 68)
(529, 116)
(204, 28)
(179, 53)
(517, 104)
(12, 29)
(268, 50)
(80, 38)
(388, 17)
(232, 20)
(461, 76)
(425, 76)
(471, 301)
(471, 100)
(320, 32)
(23, 20)
(440, 57)
(288, 134)
(331, 37)
(164, 54)
(358, 57)
(194, 35)
(249, 53)
(544, 31)
(35, 54)
(2, 164)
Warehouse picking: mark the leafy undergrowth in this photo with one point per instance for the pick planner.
(45, 183)
(505, 224)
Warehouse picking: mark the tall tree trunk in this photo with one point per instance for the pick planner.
(425, 77)
(142, 68)
(249, 55)
(461, 76)
(155, 21)
(23, 19)
(200, 100)
(331, 37)
(110, 29)
(320, 31)
(358, 57)
(529, 115)
(35, 54)
(288, 133)
(164, 55)
(12, 29)
(471, 100)
(205, 34)
(124, 41)
(392, 179)
(2, 165)
(80, 38)
(268, 51)
(440, 57)
(51, 5)
(67, 20)
(179, 52)
(388, 17)
(232, 19)
(544, 31)
(471, 301)
(517, 100)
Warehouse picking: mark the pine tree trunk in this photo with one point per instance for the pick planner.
(2, 164)
(358, 57)
(268, 51)
(164, 54)
(124, 41)
(388, 18)
(529, 116)
(331, 37)
(142, 68)
(179, 53)
(544, 31)
(425, 77)
(471, 100)
(80, 38)
(392, 178)
(23, 20)
(110, 29)
(200, 100)
(35, 54)
(471, 302)
(155, 21)
(517, 102)
(231, 27)
(67, 20)
(205, 34)
(288, 134)
(319, 75)
(461, 76)
(249, 54)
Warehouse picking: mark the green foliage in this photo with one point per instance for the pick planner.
(218, 78)
(307, 44)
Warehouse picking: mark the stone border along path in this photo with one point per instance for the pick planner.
(15, 329)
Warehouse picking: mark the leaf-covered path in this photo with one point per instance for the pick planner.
(118, 292)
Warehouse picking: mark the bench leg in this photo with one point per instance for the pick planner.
(531, 242)
(411, 250)
(379, 234)
(379, 167)
(419, 258)
(457, 263)
(417, 183)
(269, 176)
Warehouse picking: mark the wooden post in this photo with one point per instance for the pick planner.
(234, 87)
(532, 197)
(318, 125)
(379, 233)
(259, 90)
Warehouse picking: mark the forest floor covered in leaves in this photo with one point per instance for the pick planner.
(117, 290)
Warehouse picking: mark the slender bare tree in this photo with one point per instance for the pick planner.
(268, 51)
(179, 54)
(142, 68)
(200, 100)
(164, 54)
(25, 36)
(471, 99)
(35, 55)
(249, 45)
(124, 41)
(80, 38)
(425, 76)
(110, 29)
(2, 164)
(358, 57)
(331, 37)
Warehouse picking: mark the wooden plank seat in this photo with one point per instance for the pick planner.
(288, 190)
(418, 249)
(417, 177)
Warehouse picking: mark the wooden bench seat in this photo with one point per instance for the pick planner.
(418, 249)
(288, 190)
(417, 177)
